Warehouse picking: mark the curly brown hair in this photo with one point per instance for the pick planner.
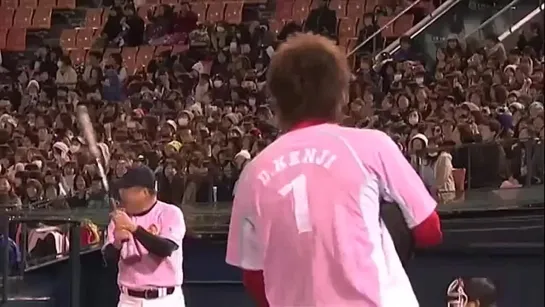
(308, 78)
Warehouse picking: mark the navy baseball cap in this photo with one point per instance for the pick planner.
(138, 176)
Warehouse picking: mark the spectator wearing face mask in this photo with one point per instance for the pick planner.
(170, 183)
(8, 199)
(66, 74)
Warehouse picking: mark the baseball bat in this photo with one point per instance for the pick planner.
(89, 134)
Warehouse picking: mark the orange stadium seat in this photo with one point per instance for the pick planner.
(78, 56)
(284, 9)
(105, 15)
(13, 4)
(16, 40)
(200, 8)
(93, 18)
(233, 12)
(143, 12)
(85, 38)
(170, 2)
(67, 40)
(3, 38)
(275, 26)
(23, 18)
(66, 4)
(6, 17)
(387, 32)
(347, 30)
(129, 55)
(48, 3)
(28, 3)
(42, 18)
(144, 55)
(215, 12)
(370, 5)
(177, 49)
(161, 49)
(354, 9)
(300, 10)
(403, 24)
(109, 51)
(129, 59)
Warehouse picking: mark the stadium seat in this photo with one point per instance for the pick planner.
(3, 38)
(403, 24)
(23, 18)
(354, 9)
(16, 39)
(129, 59)
(6, 17)
(129, 55)
(370, 5)
(215, 12)
(42, 18)
(284, 9)
(347, 30)
(67, 40)
(12, 4)
(387, 32)
(347, 27)
(109, 51)
(300, 10)
(161, 49)
(85, 38)
(78, 56)
(170, 2)
(105, 15)
(200, 8)
(66, 4)
(233, 12)
(48, 3)
(144, 55)
(143, 12)
(28, 3)
(93, 18)
(177, 49)
(275, 26)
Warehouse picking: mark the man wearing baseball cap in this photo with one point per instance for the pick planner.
(145, 240)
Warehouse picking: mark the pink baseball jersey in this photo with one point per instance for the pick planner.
(138, 269)
(306, 212)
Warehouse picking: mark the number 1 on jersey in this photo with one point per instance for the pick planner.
(298, 187)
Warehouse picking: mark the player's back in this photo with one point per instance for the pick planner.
(317, 215)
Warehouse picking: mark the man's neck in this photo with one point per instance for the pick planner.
(145, 207)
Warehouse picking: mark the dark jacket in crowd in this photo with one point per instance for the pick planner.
(322, 20)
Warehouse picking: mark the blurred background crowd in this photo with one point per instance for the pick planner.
(181, 87)
(187, 96)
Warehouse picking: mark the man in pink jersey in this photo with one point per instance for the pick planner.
(145, 240)
(305, 226)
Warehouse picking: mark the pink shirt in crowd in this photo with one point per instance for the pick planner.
(138, 269)
(306, 212)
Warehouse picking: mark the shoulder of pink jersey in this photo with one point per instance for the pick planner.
(169, 209)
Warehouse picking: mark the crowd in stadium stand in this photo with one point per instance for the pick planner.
(197, 113)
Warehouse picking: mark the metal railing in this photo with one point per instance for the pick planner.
(513, 28)
(423, 24)
(492, 18)
(74, 251)
(388, 24)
